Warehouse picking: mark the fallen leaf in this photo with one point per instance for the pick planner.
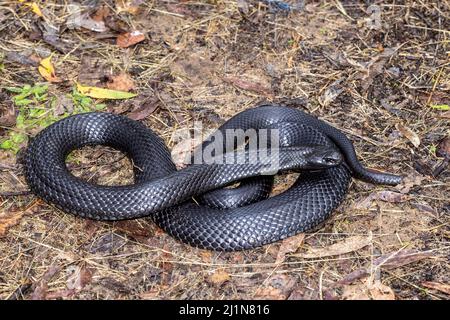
(388, 261)
(47, 70)
(8, 220)
(248, 85)
(401, 258)
(138, 230)
(144, 110)
(102, 93)
(40, 287)
(380, 291)
(277, 287)
(128, 39)
(219, 277)
(121, 82)
(8, 119)
(424, 208)
(58, 294)
(350, 244)
(444, 115)
(387, 196)
(409, 182)
(289, 245)
(106, 244)
(130, 6)
(79, 277)
(364, 291)
(34, 7)
(14, 56)
(101, 13)
(83, 20)
(114, 285)
(443, 149)
(331, 93)
(194, 68)
(376, 67)
(408, 134)
(443, 287)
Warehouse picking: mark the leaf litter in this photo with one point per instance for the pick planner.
(201, 60)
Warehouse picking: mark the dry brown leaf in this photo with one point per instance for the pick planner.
(387, 196)
(194, 68)
(409, 182)
(219, 277)
(443, 287)
(144, 110)
(289, 245)
(401, 258)
(248, 85)
(331, 93)
(8, 119)
(121, 82)
(128, 39)
(130, 6)
(376, 67)
(365, 291)
(350, 244)
(380, 291)
(270, 293)
(277, 287)
(64, 293)
(40, 287)
(77, 20)
(408, 134)
(355, 292)
(8, 220)
(444, 115)
(79, 278)
(135, 229)
(443, 149)
(101, 13)
(387, 261)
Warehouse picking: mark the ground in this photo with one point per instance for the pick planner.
(380, 73)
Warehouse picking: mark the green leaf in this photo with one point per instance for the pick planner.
(7, 144)
(23, 102)
(433, 149)
(18, 138)
(442, 107)
(100, 106)
(20, 121)
(14, 89)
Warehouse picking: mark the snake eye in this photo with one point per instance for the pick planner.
(332, 160)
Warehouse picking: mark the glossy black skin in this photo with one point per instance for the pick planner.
(222, 219)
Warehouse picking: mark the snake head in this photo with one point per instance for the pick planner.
(308, 157)
(323, 157)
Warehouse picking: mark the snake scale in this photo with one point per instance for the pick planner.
(192, 204)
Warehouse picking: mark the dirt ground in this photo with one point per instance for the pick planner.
(382, 79)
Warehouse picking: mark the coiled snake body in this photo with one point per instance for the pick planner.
(219, 219)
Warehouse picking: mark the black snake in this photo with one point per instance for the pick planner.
(191, 204)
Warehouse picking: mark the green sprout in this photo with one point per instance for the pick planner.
(36, 111)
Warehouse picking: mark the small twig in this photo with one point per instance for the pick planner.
(7, 166)
(15, 193)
